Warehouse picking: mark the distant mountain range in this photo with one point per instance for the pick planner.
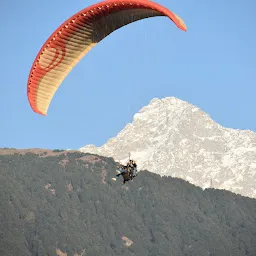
(174, 138)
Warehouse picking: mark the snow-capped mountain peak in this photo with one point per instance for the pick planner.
(172, 137)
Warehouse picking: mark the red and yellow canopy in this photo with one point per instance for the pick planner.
(76, 36)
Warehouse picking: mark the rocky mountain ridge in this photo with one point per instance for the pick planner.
(174, 138)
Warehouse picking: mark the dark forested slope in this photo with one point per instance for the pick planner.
(65, 203)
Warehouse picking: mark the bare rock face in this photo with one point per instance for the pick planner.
(174, 138)
(127, 242)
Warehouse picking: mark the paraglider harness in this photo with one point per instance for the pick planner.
(128, 171)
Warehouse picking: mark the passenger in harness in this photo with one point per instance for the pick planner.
(128, 171)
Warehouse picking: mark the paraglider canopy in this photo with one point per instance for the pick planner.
(76, 37)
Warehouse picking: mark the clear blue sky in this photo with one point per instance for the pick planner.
(212, 65)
